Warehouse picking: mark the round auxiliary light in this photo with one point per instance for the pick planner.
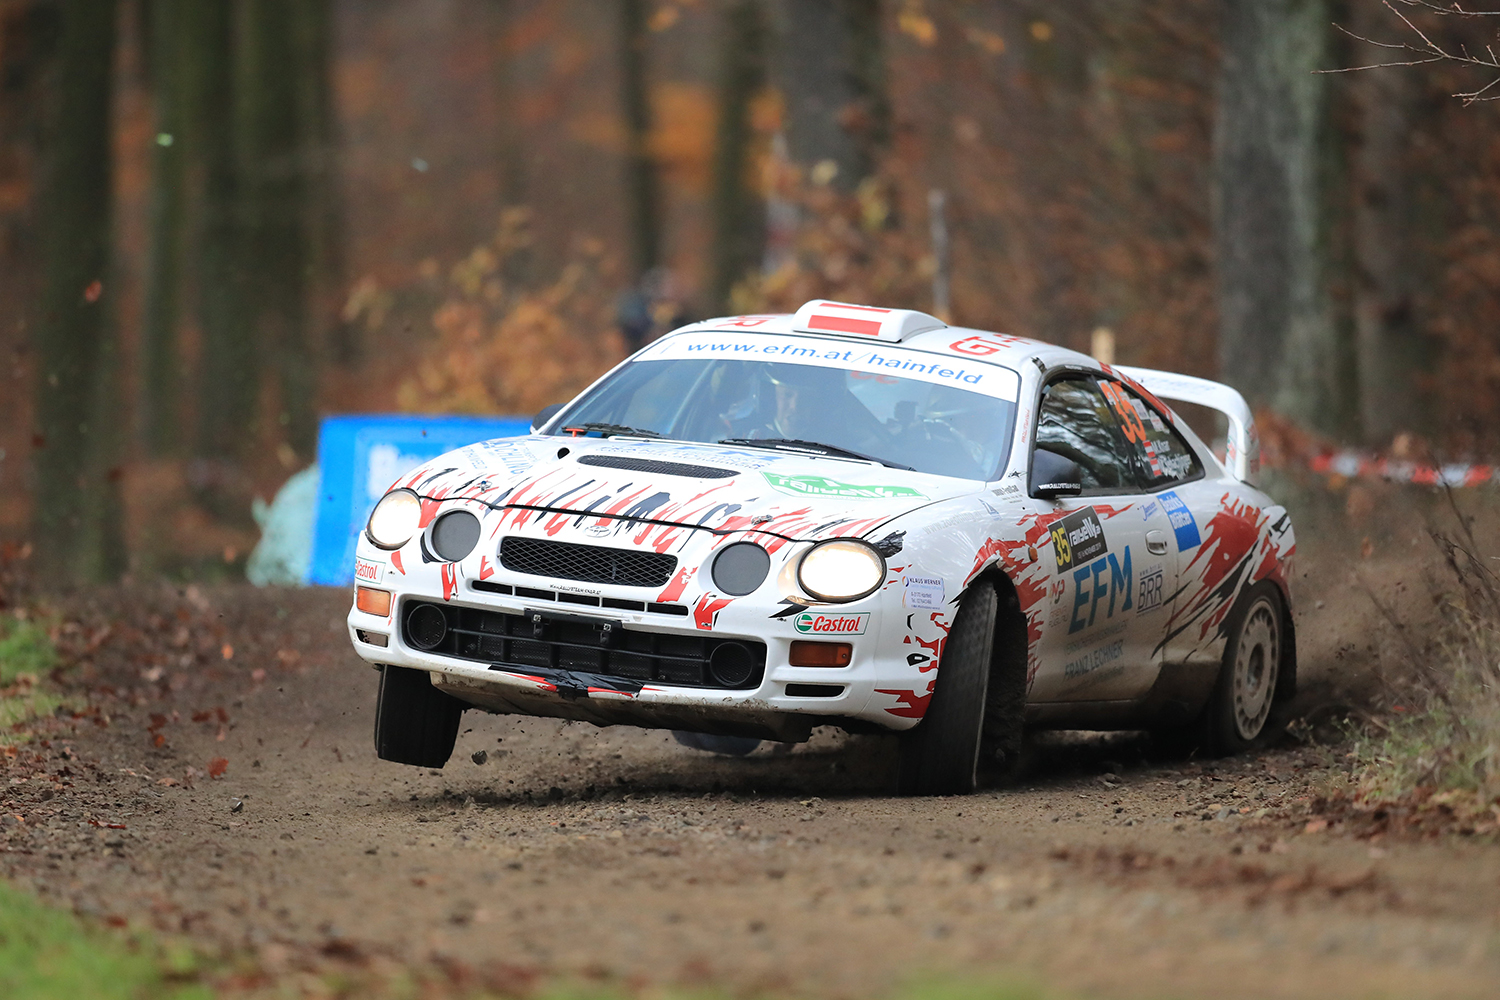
(454, 535)
(426, 626)
(841, 570)
(394, 519)
(740, 568)
(731, 664)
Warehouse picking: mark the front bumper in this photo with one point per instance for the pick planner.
(496, 662)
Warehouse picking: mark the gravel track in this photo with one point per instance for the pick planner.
(619, 854)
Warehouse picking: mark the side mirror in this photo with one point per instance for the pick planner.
(1054, 476)
(543, 415)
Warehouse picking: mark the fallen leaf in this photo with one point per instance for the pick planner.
(227, 652)
(217, 767)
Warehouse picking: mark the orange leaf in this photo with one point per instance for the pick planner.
(217, 767)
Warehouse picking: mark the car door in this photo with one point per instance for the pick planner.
(1169, 474)
(1093, 647)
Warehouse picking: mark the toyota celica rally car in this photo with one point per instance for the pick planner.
(849, 516)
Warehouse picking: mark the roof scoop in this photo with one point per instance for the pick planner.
(844, 319)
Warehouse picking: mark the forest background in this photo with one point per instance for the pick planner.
(221, 219)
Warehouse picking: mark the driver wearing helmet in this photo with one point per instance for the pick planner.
(804, 403)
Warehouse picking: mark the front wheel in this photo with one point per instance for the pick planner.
(415, 723)
(1241, 702)
(941, 755)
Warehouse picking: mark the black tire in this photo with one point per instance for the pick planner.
(940, 756)
(1240, 706)
(415, 723)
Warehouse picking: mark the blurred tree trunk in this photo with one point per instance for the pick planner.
(642, 188)
(160, 359)
(1393, 354)
(517, 266)
(738, 207)
(273, 158)
(1281, 341)
(830, 68)
(513, 187)
(76, 508)
(228, 386)
(324, 208)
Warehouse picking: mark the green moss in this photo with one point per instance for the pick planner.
(25, 648)
(47, 954)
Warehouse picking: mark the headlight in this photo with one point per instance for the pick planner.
(841, 570)
(394, 519)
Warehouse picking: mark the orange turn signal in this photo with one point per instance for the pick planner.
(372, 601)
(820, 654)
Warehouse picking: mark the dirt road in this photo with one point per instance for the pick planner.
(617, 853)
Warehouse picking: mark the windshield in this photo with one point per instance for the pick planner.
(851, 404)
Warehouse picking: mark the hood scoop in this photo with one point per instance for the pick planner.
(656, 467)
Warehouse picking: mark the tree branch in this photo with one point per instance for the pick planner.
(1429, 51)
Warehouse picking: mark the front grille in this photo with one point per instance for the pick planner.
(589, 563)
(658, 467)
(577, 653)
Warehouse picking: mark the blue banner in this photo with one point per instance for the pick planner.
(359, 457)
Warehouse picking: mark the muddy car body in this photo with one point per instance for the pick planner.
(1022, 537)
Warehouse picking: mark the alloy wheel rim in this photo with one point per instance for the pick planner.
(1255, 669)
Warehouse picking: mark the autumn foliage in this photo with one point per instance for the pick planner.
(501, 347)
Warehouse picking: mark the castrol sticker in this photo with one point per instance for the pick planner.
(368, 571)
(814, 623)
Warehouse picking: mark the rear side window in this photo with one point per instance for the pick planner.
(1076, 423)
(1161, 456)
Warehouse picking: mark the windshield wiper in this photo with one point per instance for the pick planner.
(816, 447)
(606, 430)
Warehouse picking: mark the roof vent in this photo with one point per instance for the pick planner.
(863, 322)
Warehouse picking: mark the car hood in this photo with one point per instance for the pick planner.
(606, 486)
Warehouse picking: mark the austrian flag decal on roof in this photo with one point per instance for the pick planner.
(865, 322)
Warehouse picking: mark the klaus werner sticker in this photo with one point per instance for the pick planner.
(1078, 539)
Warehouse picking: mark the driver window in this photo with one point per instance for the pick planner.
(1075, 422)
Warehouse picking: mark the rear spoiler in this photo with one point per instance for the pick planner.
(1242, 447)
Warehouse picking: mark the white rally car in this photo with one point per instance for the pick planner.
(849, 516)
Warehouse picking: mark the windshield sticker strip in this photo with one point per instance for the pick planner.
(989, 379)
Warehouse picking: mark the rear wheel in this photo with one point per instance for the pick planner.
(1241, 703)
(941, 755)
(415, 723)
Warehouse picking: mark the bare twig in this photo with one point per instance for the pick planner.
(1430, 51)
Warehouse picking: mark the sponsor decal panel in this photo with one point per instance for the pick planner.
(1183, 524)
(817, 486)
(369, 570)
(923, 593)
(1109, 582)
(1078, 538)
(815, 623)
(1149, 597)
(1149, 511)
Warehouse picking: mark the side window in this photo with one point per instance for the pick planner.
(1075, 422)
(1162, 457)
